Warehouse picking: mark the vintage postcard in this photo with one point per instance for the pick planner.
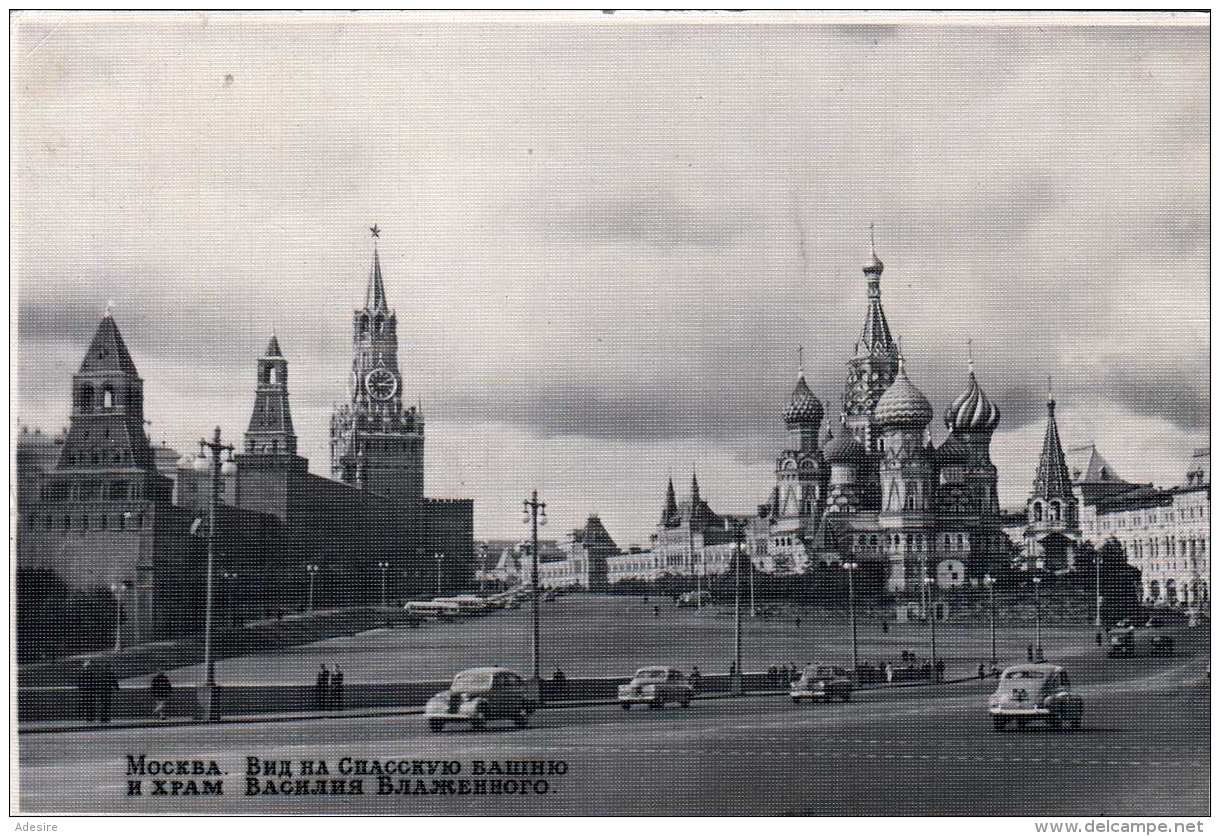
(611, 413)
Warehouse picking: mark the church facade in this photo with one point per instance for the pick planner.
(877, 491)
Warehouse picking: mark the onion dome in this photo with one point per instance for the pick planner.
(803, 409)
(952, 452)
(903, 405)
(973, 411)
(844, 449)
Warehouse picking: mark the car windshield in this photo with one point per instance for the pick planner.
(1034, 675)
(651, 673)
(471, 681)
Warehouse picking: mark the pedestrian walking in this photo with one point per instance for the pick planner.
(798, 622)
(336, 688)
(982, 671)
(321, 684)
(86, 686)
(940, 670)
(656, 612)
(885, 626)
(732, 668)
(1029, 653)
(773, 675)
(695, 678)
(160, 690)
(889, 672)
(107, 684)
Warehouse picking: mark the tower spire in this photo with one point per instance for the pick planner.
(374, 296)
(1053, 478)
(970, 354)
(800, 362)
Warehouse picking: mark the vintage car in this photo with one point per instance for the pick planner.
(479, 695)
(1035, 692)
(655, 686)
(821, 682)
(1161, 645)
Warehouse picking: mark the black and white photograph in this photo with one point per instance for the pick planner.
(611, 414)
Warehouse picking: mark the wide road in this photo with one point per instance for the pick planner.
(1144, 750)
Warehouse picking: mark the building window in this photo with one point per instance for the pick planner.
(1037, 512)
(84, 399)
(107, 398)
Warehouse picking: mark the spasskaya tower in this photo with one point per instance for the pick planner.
(377, 443)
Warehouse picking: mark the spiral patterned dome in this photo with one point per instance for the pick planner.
(903, 405)
(844, 449)
(803, 409)
(973, 411)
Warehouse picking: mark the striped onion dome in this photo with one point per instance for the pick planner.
(973, 411)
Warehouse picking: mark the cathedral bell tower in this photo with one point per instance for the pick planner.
(375, 442)
(873, 367)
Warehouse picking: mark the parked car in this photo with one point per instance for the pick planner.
(694, 599)
(480, 695)
(1122, 642)
(655, 686)
(1035, 692)
(1161, 645)
(821, 682)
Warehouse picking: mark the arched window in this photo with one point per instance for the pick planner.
(84, 398)
(108, 398)
(1037, 512)
(379, 325)
(1056, 511)
(273, 375)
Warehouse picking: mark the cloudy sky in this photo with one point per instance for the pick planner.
(605, 239)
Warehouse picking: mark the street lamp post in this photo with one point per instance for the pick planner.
(1097, 587)
(738, 548)
(384, 567)
(928, 582)
(218, 458)
(1037, 618)
(119, 590)
(989, 582)
(851, 566)
(440, 561)
(753, 612)
(535, 515)
(312, 569)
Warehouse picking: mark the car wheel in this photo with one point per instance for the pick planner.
(1000, 723)
(522, 719)
(1022, 723)
(685, 703)
(1076, 724)
(845, 696)
(1054, 722)
(796, 700)
(626, 706)
(436, 725)
(657, 704)
(480, 721)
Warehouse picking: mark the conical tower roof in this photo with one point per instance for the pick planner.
(108, 352)
(670, 511)
(273, 348)
(1053, 478)
(374, 296)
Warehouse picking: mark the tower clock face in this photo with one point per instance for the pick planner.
(381, 383)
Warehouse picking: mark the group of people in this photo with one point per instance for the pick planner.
(931, 672)
(96, 684)
(782, 674)
(328, 688)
